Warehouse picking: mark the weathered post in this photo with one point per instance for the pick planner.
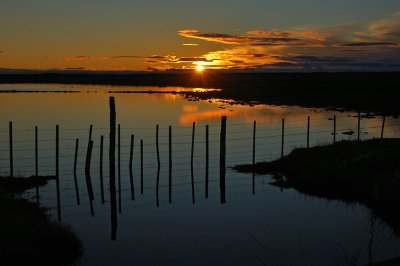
(88, 176)
(141, 168)
(131, 167)
(222, 160)
(113, 198)
(57, 174)
(283, 137)
(158, 168)
(37, 162)
(75, 175)
(119, 169)
(10, 131)
(383, 126)
(308, 132)
(254, 157)
(101, 169)
(207, 161)
(191, 162)
(170, 165)
(359, 126)
(334, 129)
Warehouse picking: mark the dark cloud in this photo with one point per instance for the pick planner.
(258, 38)
(365, 44)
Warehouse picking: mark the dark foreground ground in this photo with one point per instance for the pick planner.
(366, 92)
(27, 235)
(367, 172)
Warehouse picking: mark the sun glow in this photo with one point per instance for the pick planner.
(199, 69)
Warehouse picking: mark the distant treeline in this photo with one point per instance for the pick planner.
(368, 92)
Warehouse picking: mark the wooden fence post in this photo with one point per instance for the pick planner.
(222, 160)
(37, 162)
(308, 132)
(10, 132)
(131, 167)
(141, 168)
(119, 170)
(101, 169)
(88, 176)
(359, 126)
(113, 198)
(207, 161)
(170, 165)
(283, 137)
(383, 126)
(334, 129)
(191, 162)
(57, 174)
(75, 175)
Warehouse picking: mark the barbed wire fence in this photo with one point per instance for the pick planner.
(27, 152)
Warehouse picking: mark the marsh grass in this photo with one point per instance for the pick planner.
(27, 233)
(352, 171)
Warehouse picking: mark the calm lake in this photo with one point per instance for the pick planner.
(259, 224)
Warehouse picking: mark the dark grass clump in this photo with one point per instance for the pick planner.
(20, 184)
(366, 172)
(27, 234)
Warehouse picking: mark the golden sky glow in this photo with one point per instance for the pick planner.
(138, 37)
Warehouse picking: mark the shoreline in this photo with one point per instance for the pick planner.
(375, 92)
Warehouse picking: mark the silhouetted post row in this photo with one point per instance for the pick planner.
(383, 126)
(191, 162)
(283, 137)
(207, 161)
(170, 164)
(308, 132)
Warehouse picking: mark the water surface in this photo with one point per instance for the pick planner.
(264, 225)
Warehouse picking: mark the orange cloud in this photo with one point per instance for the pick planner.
(77, 58)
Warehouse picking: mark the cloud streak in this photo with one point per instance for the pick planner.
(347, 46)
(77, 58)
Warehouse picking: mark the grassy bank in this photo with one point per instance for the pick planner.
(367, 172)
(367, 92)
(27, 235)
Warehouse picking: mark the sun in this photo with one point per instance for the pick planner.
(199, 69)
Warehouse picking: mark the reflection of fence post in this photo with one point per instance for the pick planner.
(87, 175)
(10, 132)
(113, 198)
(101, 168)
(254, 142)
(207, 161)
(308, 132)
(334, 129)
(383, 126)
(57, 174)
(358, 126)
(141, 167)
(131, 166)
(36, 163)
(222, 162)
(119, 169)
(170, 164)
(283, 136)
(75, 175)
(191, 162)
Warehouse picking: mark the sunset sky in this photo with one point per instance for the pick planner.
(254, 35)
